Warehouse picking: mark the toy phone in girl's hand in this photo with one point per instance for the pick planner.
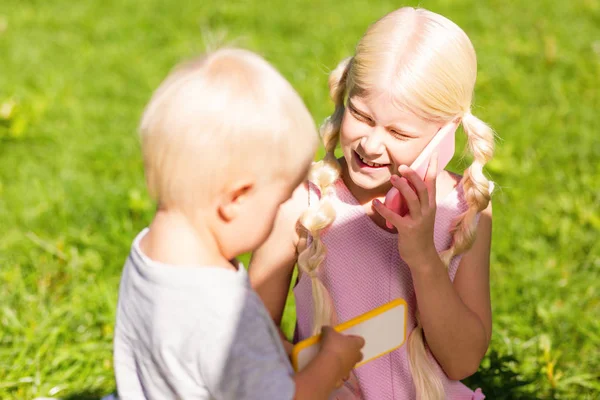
(443, 142)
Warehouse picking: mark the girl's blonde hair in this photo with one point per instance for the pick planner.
(219, 115)
(427, 65)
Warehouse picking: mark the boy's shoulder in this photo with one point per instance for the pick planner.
(208, 325)
(199, 295)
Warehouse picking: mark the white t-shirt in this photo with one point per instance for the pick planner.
(195, 332)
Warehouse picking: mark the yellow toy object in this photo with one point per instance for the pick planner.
(383, 328)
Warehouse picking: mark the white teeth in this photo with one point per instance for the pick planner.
(370, 164)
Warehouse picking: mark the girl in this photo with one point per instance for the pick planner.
(413, 74)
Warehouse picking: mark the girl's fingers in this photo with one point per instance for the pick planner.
(389, 215)
(415, 180)
(414, 205)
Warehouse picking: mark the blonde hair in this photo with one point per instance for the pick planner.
(427, 65)
(216, 116)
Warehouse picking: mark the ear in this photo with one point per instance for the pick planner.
(455, 123)
(232, 201)
(449, 126)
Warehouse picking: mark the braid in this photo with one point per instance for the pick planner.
(315, 219)
(476, 186)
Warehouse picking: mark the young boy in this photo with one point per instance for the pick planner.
(225, 141)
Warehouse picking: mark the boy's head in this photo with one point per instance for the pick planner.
(225, 140)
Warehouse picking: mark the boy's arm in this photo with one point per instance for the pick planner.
(318, 379)
(337, 356)
(240, 356)
(272, 264)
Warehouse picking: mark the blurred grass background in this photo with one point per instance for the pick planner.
(74, 77)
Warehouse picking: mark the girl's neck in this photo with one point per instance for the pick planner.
(173, 239)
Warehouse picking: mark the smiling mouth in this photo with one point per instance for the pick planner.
(367, 162)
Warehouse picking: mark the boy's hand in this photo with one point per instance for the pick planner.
(336, 358)
(345, 349)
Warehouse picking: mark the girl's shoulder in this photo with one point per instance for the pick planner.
(447, 183)
(452, 177)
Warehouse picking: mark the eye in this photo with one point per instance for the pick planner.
(399, 135)
(361, 117)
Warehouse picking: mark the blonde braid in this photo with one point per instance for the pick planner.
(428, 384)
(480, 138)
(315, 219)
(330, 130)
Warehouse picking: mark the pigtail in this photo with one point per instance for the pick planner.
(480, 138)
(428, 384)
(315, 219)
(330, 130)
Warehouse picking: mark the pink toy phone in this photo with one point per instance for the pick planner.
(443, 143)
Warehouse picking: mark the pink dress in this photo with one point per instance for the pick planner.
(362, 271)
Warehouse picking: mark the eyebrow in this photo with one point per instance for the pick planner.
(389, 127)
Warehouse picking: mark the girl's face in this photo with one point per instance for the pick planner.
(377, 138)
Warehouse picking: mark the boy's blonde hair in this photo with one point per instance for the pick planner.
(215, 117)
(425, 64)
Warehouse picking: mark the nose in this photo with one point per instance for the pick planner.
(372, 142)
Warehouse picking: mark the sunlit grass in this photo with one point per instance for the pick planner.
(74, 77)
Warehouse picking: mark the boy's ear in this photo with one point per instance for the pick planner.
(233, 198)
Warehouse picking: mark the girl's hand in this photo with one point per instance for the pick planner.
(415, 229)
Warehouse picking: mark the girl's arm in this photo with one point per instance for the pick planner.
(457, 318)
(272, 264)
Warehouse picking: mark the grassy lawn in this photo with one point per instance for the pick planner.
(75, 75)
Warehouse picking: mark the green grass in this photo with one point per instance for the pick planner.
(74, 77)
